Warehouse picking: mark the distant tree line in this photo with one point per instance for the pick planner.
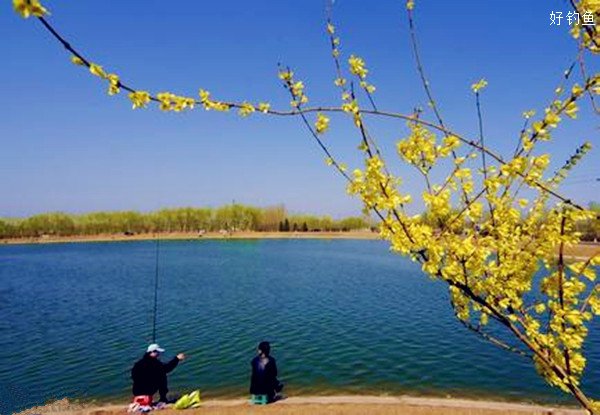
(231, 218)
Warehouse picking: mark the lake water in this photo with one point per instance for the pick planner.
(343, 317)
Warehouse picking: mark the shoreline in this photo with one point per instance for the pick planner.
(340, 404)
(582, 251)
(186, 236)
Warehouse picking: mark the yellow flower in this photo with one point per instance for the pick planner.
(220, 106)
(181, 103)
(303, 100)
(246, 109)
(77, 60)
(140, 99)
(204, 96)
(166, 100)
(523, 203)
(330, 28)
(576, 90)
(463, 173)
(298, 88)
(452, 142)
(97, 70)
(478, 86)
(476, 210)
(189, 103)
(367, 87)
(528, 114)
(264, 107)
(351, 107)
(340, 82)
(542, 161)
(286, 75)
(571, 110)
(552, 119)
(468, 187)
(322, 124)
(357, 66)
(114, 86)
(27, 8)
(210, 104)
(410, 4)
(539, 128)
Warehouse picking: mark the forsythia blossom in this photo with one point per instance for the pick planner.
(140, 99)
(357, 67)
(28, 8)
(478, 86)
(77, 60)
(264, 107)
(97, 70)
(246, 109)
(114, 84)
(322, 124)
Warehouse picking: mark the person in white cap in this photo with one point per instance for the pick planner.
(149, 374)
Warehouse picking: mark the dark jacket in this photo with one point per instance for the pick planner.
(150, 376)
(264, 377)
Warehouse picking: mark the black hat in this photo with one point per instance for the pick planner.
(264, 347)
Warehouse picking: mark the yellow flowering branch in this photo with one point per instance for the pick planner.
(487, 258)
(584, 75)
(590, 38)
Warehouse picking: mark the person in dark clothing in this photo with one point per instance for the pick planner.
(149, 374)
(264, 373)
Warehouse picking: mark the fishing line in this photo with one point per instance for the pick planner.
(154, 311)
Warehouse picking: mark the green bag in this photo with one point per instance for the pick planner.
(191, 400)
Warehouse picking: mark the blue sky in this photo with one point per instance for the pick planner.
(67, 146)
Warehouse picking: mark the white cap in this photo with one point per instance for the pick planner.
(154, 348)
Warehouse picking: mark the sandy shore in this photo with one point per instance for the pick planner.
(330, 405)
(194, 236)
(581, 251)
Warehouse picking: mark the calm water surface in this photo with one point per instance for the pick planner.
(342, 316)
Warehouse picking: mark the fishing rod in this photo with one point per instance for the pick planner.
(155, 308)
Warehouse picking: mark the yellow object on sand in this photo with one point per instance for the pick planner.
(191, 400)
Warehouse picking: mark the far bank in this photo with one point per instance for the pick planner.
(47, 239)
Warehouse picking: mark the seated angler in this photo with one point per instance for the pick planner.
(149, 375)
